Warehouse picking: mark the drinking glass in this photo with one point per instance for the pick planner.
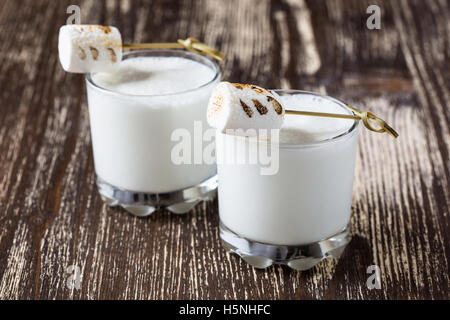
(132, 143)
(299, 215)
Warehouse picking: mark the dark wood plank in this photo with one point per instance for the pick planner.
(52, 217)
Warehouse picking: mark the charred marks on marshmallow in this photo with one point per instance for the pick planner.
(105, 29)
(260, 107)
(81, 53)
(239, 86)
(257, 89)
(276, 105)
(92, 28)
(246, 108)
(94, 52)
(112, 55)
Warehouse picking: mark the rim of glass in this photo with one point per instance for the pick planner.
(342, 136)
(162, 53)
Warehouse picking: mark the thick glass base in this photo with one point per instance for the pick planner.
(301, 257)
(144, 204)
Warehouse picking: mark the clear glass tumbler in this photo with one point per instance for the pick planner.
(299, 215)
(131, 139)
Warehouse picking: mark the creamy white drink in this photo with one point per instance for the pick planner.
(309, 198)
(135, 108)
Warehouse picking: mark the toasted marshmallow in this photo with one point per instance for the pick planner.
(243, 106)
(89, 48)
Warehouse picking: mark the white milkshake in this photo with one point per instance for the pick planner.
(309, 199)
(134, 110)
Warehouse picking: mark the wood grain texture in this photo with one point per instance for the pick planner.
(51, 216)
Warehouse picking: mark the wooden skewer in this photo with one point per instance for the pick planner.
(367, 117)
(190, 44)
(137, 46)
(324, 115)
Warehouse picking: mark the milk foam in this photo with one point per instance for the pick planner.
(155, 76)
(307, 129)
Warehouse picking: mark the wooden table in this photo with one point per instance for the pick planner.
(52, 217)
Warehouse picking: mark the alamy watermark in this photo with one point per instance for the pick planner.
(75, 14)
(374, 20)
(234, 147)
(74, 279)
(374, 280)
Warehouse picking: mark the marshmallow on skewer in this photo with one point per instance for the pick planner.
(244, 106)
(89, 48)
